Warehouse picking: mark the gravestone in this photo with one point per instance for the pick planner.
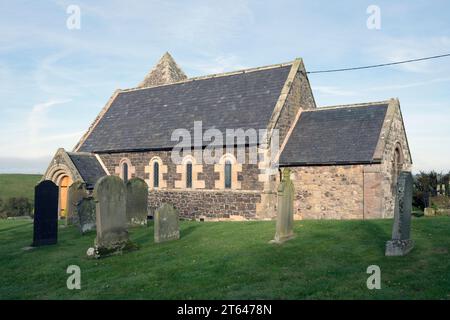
(166, 224)
(429, 212)
(77, 192)
(401, 242)
(86, 214)
(137, 198)
(111, 220)
(285, 214)
(45, 229)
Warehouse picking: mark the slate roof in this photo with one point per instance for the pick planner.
(339, 135)
(144, 119)
(88, 166)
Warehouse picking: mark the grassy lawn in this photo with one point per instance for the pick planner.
(18, 185)
(233, 260)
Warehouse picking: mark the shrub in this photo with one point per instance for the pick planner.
(2, 213)
(16, 207)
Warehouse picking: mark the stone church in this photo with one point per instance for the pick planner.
(344, 160)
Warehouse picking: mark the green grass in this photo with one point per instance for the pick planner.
(18, 185)
(233, 260)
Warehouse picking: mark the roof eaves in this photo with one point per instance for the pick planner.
(331, 163)
(97, 120)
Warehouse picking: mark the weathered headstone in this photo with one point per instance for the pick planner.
(429, 212)
(86, 213)
(77, 192)
(111, 220)
(285, 214)
(166, 224)
(45, 214)
(137, 199)
(401, 242)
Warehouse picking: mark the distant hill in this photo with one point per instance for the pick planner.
(18, 185)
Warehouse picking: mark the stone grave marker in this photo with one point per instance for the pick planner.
(285, 214)
(45, 228)
(401, 243)
(77, 192)
(429, 212)
(166, 224)
(137, 199)
(111, 220)
(86, 214)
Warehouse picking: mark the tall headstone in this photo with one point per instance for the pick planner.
(45, 229)
(285, 214)
(137, 199)
(111, 220)
(77, 192)
(401, 243)
(166, 224)
(86, 214)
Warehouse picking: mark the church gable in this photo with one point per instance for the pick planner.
(82, 167)
(166, 71)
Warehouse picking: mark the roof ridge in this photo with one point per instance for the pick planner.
(80, 153)
(352, 105)
(214, 75)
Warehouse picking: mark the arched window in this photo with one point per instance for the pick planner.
(125, 169)
(228, 174)
(125, 172)
(155, 174)
(189, 175)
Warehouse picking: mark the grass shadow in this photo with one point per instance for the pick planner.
(188, 230)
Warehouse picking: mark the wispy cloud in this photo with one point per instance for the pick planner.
(45, 132)
(408, 85)
(334, 91)
(216, 64)
(38, 117)
(394, 49)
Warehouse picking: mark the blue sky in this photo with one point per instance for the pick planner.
(54, 81)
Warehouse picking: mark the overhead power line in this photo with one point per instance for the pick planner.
(380, 65)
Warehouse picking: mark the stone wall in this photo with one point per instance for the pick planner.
(208, 204)
(209, 201)
(328, 192)
(298, 98)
